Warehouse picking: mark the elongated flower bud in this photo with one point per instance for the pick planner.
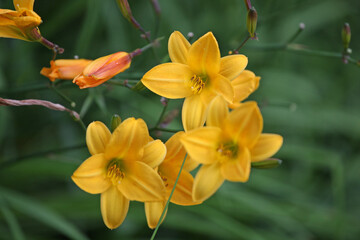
(125, 9)
(65, 68)
(266, 164)
(346, 35)
(102, 69)
(115, 122)
(251, 21)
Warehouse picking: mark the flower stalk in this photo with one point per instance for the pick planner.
(168, 201)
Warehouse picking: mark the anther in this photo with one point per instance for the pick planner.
(196, 84)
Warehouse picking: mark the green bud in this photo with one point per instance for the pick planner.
(125, 9)
(115, 122)
(251, 21)
(266, 164)
(346, 35)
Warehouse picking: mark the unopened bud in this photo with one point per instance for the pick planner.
(115, 122)
(251, 21)
(266, 164)
(190, 36)
(302, 26)
(102, 69)
(346, 35)
(125, 9)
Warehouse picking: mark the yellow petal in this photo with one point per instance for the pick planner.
(223, 87)
(97, 137)
(128, 140)
(141, 183)
(154, 153)
(27, 4)
(245, 124)
(193, 113)
(266, 146)
(153, 211)
(190, 164)
(231, 66)
(174, 146)
(204, 56)
(245, 84)
(169, 80)
(218, 111)
(12, 32)
(238, 169)
(114, 207)
(183, 191)
(178, 48)
(90, 176)
(27, 20)
(4, 16)
(176, 153)
(207, 95)
(207, 182)
(201, 144)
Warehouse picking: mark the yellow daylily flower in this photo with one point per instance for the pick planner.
(120, 168)
(169, 170)
(65, 69)
(197, 73)
(20, 23)
(102, 69)
(227, 146)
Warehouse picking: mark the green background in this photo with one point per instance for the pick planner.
(312, 101)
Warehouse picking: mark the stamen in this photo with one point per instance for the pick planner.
(196, 83)
(164, 179)
(115, 172)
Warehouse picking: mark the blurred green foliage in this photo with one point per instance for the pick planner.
(312, 101)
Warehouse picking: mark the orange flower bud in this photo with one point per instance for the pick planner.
(102, 69)
(65, 68)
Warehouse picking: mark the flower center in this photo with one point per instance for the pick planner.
(114, 171)
(228, 150)
(196, 83)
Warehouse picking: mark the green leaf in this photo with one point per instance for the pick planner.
(11, 220)
(35, 210)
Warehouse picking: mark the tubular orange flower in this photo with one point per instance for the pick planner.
(19, 23)
(227, 146)
(197, 73)
(102, 69)
(168, 170)
(120, 168)
(64, 68)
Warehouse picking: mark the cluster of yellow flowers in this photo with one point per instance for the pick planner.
(127, 164)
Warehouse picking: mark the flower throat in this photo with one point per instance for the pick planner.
(114, 171)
